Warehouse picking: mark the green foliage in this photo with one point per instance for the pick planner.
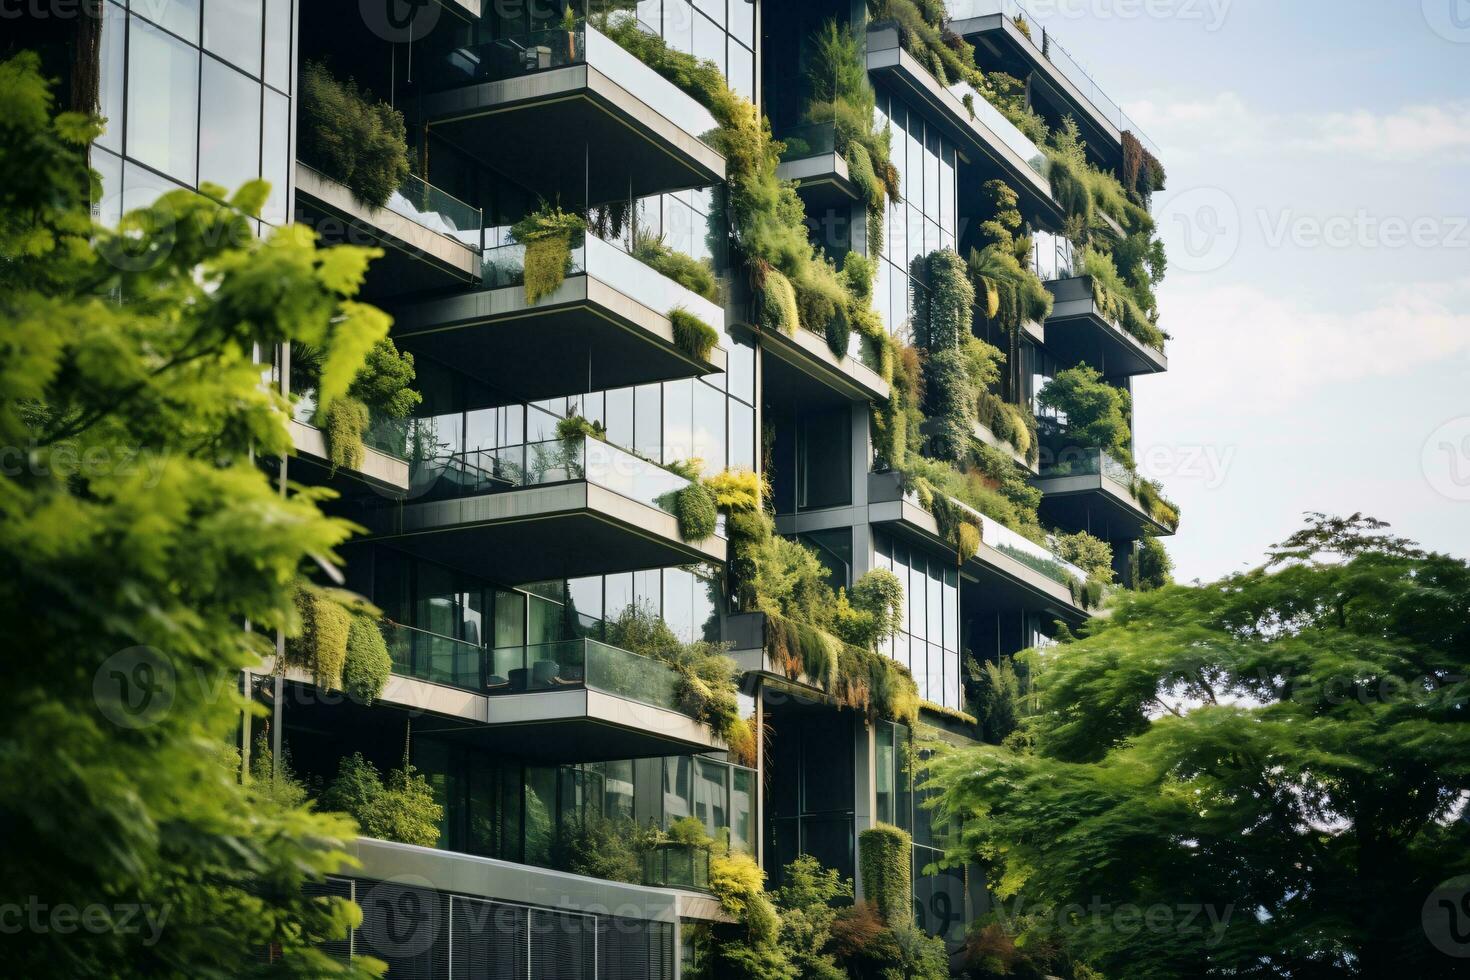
(942, 314)
(778, 307)
(549, 235)
(923, 30)
(580, 427)
(1001, 268)
(368, 665)
(592, 845)
(692, 335)
(1235, 746)
(346, 421)
(1093, 555)
(879, 594)
(132, 349)
(400, 808)
(385, 383)
(275, 782)
(990, 484)
(994, 693)
(1155, 567)
(859, 271)
(321, 646)
(839, 332)
(695, 508)
(695, 275)
(351, 136)
(1116, 299)
(885, 855)
(807, 904)
(1096, 412)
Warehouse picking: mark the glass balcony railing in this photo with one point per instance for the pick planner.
(384, 434)
(581, 664)
(579, 458)
(430, 206)
(1024, 550)
(431, 657)
(810, 140)
(1090, 462)
(1053, 51)
(992, 118)
(518, 55)
(609, 264)
(676, 865)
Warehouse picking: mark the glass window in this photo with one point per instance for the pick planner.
(678, 420)
(884, 771)
(178, 16)
(648, 422)
(163, 101)
(741, 376)
(715, 9)
(275, 155)
(742, 437)
(229, 127)
(107, 208)
(741, 71)
(110, 89)
(618, 594)
(710, 797)
(510, 618)
(232, 30)
(141, 187)
(618, 417)
(677, 788)
(742, 805)
(709, 41)
(679, 603)
(708, 436)
(742, 21)
(679, 25)
(585, 597)
(278, 44)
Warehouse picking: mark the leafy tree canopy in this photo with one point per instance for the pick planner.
(139, 537)
(1273, 767)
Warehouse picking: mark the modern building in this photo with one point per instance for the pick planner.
(499, 547)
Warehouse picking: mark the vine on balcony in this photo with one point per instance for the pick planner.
(549, 235)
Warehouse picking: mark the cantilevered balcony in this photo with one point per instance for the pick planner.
(384, 467)
(606, 326)
(1011, 571)
(1093, 492)
(820, 171)
(536, 107)
(430, 238)
(983, 135)
(1059, 85)
(565, 508)
(574, 699)
(1077, 331)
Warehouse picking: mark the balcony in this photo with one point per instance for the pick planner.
(676, 865)
(385, 467)
(1093, 492)
(812, 160)
(606, 326)
(1059, 83)
(525, 103)
(565, 508)
(983, 135)
(1077, 331)
(574, 699)
(1010, 571)
(431, 238)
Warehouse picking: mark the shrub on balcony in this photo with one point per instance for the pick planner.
(345, 424)
(694, 506)
(382, 388)
(368, 665)
(778, 305)
(691, 334)
(1097, 413)
(400, 808)
(351, 136)
(593, 845)
(885, 855)
(1093, 555)
(693, 274)
(320, 645)
(549, 235)
(578, 427)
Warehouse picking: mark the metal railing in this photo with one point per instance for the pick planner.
(581, 664)
(1054, 52)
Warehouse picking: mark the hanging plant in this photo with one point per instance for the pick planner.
(368, 665)
(321, 645)
(694, 506)
(549, 235)
(692, 335)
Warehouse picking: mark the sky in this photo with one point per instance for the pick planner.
(1317, 219)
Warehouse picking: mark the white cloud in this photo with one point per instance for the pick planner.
(1226, 123)
(1258, 352)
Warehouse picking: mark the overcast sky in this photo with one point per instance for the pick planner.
(1317, 219)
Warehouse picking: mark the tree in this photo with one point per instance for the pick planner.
(1096, 412)
(1261, 777)
(138, 537)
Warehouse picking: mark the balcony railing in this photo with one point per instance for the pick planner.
(432, 657)
(384, 434)
(506, 266)
(1090, 462)
(1053, 51)
(580, 458)
(994, 120)
(810, 140)
(676, 865)
(434, 208)
(519, 55)
(581, 664)
(1024, 550)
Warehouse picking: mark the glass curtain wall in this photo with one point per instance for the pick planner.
(929, 643)
(194, 91)
(924, 219)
